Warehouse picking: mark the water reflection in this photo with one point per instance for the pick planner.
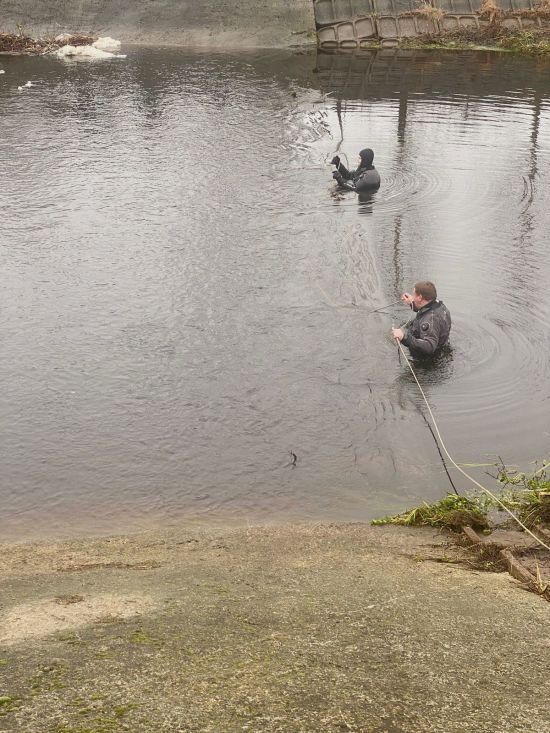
(182, 304)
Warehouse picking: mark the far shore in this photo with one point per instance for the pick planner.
(494, 37)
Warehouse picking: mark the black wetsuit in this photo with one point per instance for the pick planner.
(365, 178)
(429, 330)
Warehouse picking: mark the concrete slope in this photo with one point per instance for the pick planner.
(215, 23)
(290, 629)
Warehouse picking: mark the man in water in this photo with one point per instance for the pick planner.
(364, 178)
(430, 329)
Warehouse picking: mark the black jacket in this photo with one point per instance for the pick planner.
(429, 330)
(364, 178)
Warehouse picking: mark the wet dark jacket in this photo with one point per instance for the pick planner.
(429, 330)
(364, 178)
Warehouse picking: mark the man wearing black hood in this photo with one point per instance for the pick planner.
(364, 178)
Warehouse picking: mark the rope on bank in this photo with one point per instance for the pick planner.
(537, 539)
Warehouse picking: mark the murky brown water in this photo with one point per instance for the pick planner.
(172, 261)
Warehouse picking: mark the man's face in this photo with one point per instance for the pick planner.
(417, 299)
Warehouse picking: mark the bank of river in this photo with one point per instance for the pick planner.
(492, 38)
(285, 628)
(219, 23)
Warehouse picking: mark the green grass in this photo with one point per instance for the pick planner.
(527, 494)
(142, 636)
(451, 512)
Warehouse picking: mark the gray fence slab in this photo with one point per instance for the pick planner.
(353, 23)
(387, 27)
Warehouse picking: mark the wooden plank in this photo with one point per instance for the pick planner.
(541, 532)
(472, 537)
(517, 570)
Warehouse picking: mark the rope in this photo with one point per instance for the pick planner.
(440, 453)
(537, 539)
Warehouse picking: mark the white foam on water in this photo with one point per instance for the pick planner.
(89, 52)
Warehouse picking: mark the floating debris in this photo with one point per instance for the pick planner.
(106, 43)
(90, 52)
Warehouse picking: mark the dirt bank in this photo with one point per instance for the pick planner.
(220, 23)
(297, 628)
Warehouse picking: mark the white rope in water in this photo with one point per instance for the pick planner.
(537, 539)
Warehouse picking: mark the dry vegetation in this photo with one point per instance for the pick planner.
(429, 11)
(20, 43)
(493, 35)
(490, 32)
(490, 11)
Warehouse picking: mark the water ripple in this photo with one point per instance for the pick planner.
(186, 298)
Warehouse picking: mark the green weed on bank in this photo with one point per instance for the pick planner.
(527, 495)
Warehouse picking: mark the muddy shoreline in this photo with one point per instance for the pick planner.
(305, 627)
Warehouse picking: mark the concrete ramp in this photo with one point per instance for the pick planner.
(213, 23)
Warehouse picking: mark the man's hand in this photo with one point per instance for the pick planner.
(335, 160)
(398, 334)
(338, 176)
(407, 298)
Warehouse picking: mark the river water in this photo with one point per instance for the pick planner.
(184, 295)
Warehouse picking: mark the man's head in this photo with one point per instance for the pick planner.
(424, 292)
(366, 157)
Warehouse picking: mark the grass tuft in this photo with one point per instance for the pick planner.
(527, 494)
(429, 11)
(452, 512)
(490, 11)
